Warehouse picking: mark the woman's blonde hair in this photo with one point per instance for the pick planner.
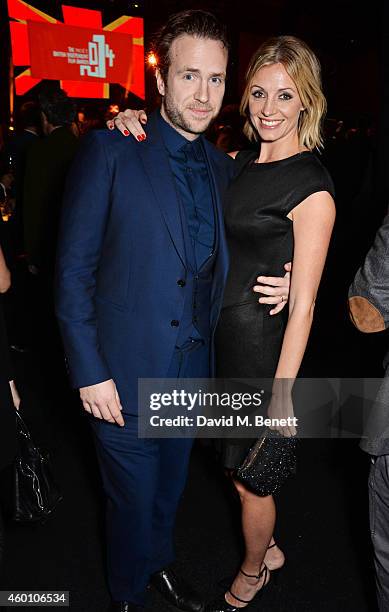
(303, 67)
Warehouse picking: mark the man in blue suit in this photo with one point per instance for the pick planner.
(142, 263)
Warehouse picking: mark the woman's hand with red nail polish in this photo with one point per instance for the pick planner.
(130, 122)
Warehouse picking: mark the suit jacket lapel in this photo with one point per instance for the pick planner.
(219, 183)
(157, 167)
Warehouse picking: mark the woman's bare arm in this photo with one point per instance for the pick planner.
(5, 276)
(313, 221)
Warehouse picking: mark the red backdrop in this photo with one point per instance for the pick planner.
(84, 59)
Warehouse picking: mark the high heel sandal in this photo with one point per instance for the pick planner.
(226, 581)
(221, 605)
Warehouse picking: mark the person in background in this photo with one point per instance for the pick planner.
(27, 132)
(5, 185)
(9, 397)
(6, 182)
(48, 161)
(227, 131)
(369, 312)
(90, 118)
(6, 371)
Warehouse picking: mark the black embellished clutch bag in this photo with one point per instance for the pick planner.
(268, 464)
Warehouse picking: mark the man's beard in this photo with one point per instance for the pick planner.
(177, 119)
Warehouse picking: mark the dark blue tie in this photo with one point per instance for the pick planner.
(199, 206)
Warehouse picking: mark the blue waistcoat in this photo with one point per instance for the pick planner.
(191, 176)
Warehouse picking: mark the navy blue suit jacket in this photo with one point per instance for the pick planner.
(120, 255)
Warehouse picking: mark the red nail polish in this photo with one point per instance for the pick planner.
(126, 132)
(111, 127)
(144, 137)
(139, 138)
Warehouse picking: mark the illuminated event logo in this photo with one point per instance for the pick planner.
(70, 53)
(98, 52)
(84, 59)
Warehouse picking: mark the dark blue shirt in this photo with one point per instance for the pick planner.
(189, 166)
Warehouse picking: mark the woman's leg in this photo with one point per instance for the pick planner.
(274, 557)
(258, 519)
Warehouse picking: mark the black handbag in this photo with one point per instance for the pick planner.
(268, 464)
(36, 493)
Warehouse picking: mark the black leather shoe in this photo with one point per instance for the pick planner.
(124, 606)
(176, 591)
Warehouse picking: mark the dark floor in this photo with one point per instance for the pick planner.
(322, 520)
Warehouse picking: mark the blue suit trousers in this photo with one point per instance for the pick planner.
(143, 480)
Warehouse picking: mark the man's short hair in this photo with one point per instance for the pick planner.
(28, 115)
(57, 106)
(200, 24)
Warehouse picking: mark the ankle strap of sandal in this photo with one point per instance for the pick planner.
(263, 571)
(238, 598)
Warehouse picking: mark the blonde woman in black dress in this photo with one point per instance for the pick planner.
(279, 208)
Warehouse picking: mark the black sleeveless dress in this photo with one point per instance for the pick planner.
(260, 242)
